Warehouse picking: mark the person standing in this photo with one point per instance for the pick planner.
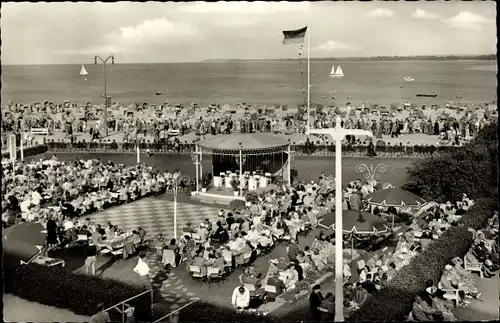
(142, 269)
(100, 316)
(315, 300)
(90, 257)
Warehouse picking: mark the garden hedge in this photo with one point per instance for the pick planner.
(78, 293)
(28, 151)
(394, 301)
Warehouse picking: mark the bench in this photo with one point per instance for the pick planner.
(40, 131)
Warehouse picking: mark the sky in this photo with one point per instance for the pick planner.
(70, 33)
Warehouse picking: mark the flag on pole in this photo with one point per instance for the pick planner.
(294, 36)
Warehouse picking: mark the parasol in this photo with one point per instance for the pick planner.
(396, 197)
(32, 233)
(20, 251)
(358, 222)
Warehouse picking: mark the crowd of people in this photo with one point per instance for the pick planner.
(457, 284)
(51, 188)
(145, 120)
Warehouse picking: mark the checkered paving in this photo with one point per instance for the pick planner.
(155, 215)
(172, 289)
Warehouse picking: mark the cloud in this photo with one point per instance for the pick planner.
(422, 14)
(133, 39)
(333, 45)
(243, 7)
(467, 20)
(380, 12)
(160, 30)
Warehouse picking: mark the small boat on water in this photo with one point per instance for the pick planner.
(409, 79)
(423, 95)
(336, 73)
(83, 71)
(158, 93)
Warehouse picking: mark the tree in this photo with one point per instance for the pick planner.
(471, 170)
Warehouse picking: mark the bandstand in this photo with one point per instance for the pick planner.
(243, 162)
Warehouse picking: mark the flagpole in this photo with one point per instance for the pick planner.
(308, 77)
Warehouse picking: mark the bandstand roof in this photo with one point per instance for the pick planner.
(248, 141)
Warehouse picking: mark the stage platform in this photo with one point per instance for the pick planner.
(217, 196)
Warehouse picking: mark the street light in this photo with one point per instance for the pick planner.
(177, 179)
(104, 61)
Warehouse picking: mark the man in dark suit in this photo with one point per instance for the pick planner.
(315, 300)
(292, 250)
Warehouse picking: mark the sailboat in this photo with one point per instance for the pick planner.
(336, 73)
(83, 71)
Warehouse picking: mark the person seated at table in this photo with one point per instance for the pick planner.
(202, 232)
(379, 278)
(309, 267)
(219, 261)
(220, 235)
(159, 243)
(248, 276)
(319, 242)
(273, 280)
(422, 312)
(443, 306)
(319, 259)
(241, 298)
(391, 271)
(200, 262)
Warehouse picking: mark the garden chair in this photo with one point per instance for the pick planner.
(195, 272)
(451, 294)
(215, 275)
(472, 268)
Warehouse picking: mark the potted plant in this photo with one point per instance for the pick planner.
(235, 184)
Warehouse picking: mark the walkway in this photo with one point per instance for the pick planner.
(485, 309)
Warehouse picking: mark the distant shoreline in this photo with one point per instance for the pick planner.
(490, 57)
(374, 58)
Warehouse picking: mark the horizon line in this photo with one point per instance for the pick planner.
(207, 60)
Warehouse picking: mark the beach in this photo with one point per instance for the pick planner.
(260, 82)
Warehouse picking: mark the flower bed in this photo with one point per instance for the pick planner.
(394, 301)
(79, 293)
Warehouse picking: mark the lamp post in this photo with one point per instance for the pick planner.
(104, 61)
(177, 179)
(338, 133)
(291, 155)
(196, 158)
(240, 160)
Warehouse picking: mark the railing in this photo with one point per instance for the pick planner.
(173, 313)
(299, 149)
(123, 306)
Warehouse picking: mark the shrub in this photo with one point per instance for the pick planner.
(394, 301)
(80, 294)
(206, 312)
(471, 170)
